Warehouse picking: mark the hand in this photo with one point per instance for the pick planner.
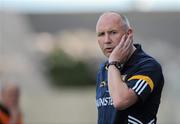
(122, 51)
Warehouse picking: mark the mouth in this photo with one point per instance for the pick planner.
(108, 50)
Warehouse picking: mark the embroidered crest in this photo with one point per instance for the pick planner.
(124, 77)
(103, 84)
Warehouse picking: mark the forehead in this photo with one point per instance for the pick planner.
(10, 89)
(109, 21)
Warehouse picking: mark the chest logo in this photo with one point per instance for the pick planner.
(103, 84)
(124, 77)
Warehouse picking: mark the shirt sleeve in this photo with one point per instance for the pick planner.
(145, 80)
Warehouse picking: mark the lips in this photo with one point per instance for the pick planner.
(109, 49)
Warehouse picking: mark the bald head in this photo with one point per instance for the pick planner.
(110, 28)
(113, 16)
(10, 93)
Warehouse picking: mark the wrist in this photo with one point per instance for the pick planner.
(113, 59)
(117, 64)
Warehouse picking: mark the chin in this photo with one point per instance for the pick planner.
(107, 54)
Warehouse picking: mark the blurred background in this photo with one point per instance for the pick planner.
(49, 47)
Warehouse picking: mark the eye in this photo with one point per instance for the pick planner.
(113, 32)
(100, 34)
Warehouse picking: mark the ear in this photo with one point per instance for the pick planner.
(130, 31)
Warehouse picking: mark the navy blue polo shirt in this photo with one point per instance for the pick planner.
(143, 74)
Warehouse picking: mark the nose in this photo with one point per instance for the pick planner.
(107, 39)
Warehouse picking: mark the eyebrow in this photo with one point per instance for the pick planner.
(110, 30)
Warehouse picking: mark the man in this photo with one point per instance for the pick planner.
(9, 107)
(130, 83)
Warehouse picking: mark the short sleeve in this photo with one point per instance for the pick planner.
(144, 81)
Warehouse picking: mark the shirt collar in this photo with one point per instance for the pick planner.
(131, 59)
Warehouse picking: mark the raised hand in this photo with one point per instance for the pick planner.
(122, 51)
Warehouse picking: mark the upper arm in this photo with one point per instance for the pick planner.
(145, 80)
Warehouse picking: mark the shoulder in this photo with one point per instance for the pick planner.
(148, 62)
(144, 64)
(142, 60)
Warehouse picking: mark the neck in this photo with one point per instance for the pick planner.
(133, 48)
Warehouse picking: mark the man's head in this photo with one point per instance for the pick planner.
(110, 28)
(10, 93)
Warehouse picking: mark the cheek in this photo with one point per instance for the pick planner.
(117, 40)
(100, 43)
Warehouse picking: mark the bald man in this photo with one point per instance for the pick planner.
(130, 82)
(9, 107)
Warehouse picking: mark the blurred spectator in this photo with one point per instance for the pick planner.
(10, 112)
